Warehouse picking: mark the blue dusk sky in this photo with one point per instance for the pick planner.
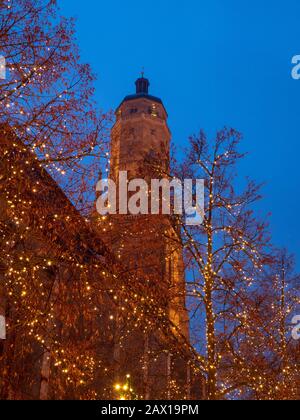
(214, 63)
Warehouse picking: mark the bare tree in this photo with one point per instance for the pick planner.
(224, 255)
(47, 97)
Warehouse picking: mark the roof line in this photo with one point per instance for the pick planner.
(142, 95)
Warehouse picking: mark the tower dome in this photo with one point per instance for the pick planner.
(142, 86)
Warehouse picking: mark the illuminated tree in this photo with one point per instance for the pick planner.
(62, 291)
(224, 255)
(48, 123)
(267, 355)
(47, 96)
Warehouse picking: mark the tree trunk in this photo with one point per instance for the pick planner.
(211, 348)
(46, 360)
(45, 375)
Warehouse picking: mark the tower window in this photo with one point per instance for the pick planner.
(153, 111)
(133, 110)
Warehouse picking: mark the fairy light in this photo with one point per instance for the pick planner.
(27, 291)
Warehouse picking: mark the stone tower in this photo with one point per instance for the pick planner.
(148, 244)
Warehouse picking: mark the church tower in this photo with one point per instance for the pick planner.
(149, 245)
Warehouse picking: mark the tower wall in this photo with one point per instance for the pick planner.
(148, 245)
